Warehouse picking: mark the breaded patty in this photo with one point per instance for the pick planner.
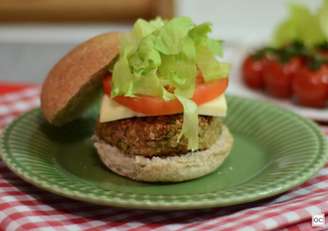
(156, 136)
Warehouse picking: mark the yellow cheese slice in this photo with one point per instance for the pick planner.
(111, 110)
(215, 107)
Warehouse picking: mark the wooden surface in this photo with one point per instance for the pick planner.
(83, 10)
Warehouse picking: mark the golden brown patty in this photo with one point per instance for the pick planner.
(156, 136)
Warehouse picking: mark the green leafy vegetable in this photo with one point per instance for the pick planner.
(159, 53)
(180, 72)
(171, 36)
(210, 68)
(122, 77)
(316, 61)
(303, 25)
(143, 28)
(323, 18)
(190, 122)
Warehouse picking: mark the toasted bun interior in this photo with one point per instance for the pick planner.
(69, 84)
(166, 169)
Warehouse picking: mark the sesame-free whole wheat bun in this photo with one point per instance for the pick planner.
(138, 146)
(75, 77)
(166, 169)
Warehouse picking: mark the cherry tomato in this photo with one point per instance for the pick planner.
(151, 105)
(323, 49)
(278, 76)
(252, 71)
(311, 86)
(324, 53)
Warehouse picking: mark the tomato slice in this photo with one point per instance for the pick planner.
(151, 105)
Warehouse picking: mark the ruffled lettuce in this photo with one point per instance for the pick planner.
(302, 25)
(323, 18)
(159, 53)
(190, 121)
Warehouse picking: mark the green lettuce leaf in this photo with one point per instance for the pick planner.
(143, 28)
(145, 59)
(199, 33)
(171, 36)
(190, 122)
(189, 49)
(180, 72)
(148, 84)
(209, 66)
(323, 18)
(206, 49)
(122, 78)
(158, 54)
(301, 25)
(215, 46)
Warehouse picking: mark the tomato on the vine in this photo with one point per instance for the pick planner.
(278, 76)
(311, 86)
(324, 53)
(291, 71)
(252, 71)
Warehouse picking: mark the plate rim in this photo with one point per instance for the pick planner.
(117, 201)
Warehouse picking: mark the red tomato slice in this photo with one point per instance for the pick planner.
(151, 105)
(278, 77)
(311, 87)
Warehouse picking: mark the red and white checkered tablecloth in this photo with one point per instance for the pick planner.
(25, 207)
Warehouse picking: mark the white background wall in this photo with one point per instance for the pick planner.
(27, 52)
(239, 20)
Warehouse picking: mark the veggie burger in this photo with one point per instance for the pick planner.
(163, 99)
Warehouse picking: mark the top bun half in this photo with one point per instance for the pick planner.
(71, 82)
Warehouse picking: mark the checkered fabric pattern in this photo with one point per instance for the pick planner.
(25, 207)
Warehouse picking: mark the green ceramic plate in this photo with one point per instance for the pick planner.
(274, 151)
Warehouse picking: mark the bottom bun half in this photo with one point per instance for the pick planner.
(166, 169)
